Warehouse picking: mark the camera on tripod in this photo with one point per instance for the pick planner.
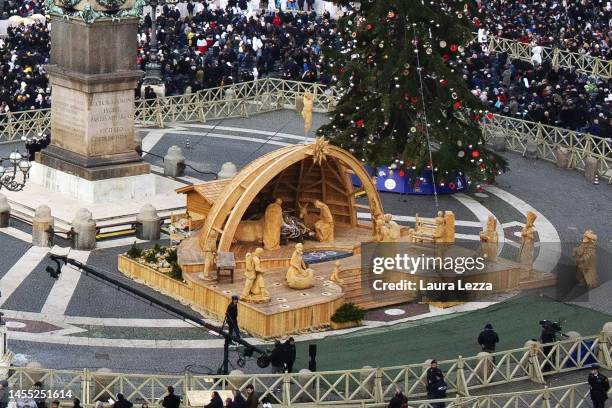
(550, 331)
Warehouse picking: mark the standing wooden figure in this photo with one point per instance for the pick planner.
(273, 221)
(586, 260)
(527, 244)
(254, 287)
(489, 240)
(325, 226)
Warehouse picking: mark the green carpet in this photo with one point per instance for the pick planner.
(447, 337)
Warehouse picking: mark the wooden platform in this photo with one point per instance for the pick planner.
(294, 311)
(289, 310)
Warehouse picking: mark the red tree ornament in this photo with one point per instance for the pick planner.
(360, 123)
(453, 47)
(490, 116)
(443, 83)
(445, 57)
(457, 105)
(475, 154)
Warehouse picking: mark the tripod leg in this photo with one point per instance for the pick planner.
(226, 355)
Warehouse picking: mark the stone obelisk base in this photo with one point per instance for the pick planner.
(139, 187)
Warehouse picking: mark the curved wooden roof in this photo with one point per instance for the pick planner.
(226, 214)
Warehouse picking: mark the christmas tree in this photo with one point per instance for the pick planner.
(403, 101)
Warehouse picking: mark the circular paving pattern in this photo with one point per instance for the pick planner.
(15, 325)
(395, 312)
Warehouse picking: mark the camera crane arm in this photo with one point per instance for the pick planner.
(88, 270)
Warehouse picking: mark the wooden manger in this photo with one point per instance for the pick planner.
(311, 184)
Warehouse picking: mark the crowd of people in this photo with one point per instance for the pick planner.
(23, 53)
(204, 45)
(217, 46)
(21, 8)
(538, 92)
(582, 26)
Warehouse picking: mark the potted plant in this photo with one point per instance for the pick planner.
(347, 315)
(134, 252)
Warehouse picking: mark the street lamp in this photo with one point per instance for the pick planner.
(18, 163)
(152, 68)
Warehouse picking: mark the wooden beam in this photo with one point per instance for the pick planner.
(335, 187)
(324, 167)
(316, 183)
(298, 190)
(354, 192)
(288, 185)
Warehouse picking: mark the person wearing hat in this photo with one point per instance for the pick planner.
(436, 386)
(599, 387)
(488, 339)
(231, 317)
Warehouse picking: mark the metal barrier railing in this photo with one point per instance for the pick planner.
(270, 94)
(361, 386)
(558, 57)
(549, 139)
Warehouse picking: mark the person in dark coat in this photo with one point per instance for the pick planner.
(4, 394)
(398, 400)
(289, 353)
(276, 358)
(122, 402)
(171, 400)
(436, 387)
(40, 402)
(231, 317)
(238, 401)
(215, 401)
(76, 403)
(599, 387)
(252, 400)
(488, 339)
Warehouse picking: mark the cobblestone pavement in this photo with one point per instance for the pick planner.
(95, 318)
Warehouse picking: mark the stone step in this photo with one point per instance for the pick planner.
(110, 224)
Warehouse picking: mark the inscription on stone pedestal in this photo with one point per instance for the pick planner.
(111, 120)
(93, 125)
(68, 119)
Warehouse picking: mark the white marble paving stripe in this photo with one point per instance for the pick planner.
(120, 343)
(20, 271)
(114, 243)
(468, 237)
(151, 139)
(547, 258)
(16, 233)
(408, 218)
(64, 287)
(66, 322)
(252, 131)
(232, 137)
(127, 322)
(513, 224)
(482, 213)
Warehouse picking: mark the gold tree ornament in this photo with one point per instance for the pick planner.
(320, 150)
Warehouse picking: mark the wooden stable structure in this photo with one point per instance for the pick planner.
(299, 175)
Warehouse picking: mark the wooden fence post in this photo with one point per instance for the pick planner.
(535, 372)
(378, 390)
(462, 388)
